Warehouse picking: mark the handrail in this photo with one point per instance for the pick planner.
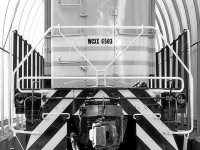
(4, 50)
(188, 70)
(44, 115)
(196, 43)
(129, 34)
(109, 78)
(173, 41)
(69, 35)
(59, 3)
(143, 114)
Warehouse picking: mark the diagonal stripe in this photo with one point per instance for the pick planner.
(57, 138)
(152, 94)
(124, 113)
(42, 127)
(146, 138)
(126, 105)
(101, 94)
(58, 123)
(98, 95)
(150, 103)
(157, 123)
(64, 143)
(141, 145)
(144, 123)
(53, 102)
(49, 94)
(143, 93)
(76, 103)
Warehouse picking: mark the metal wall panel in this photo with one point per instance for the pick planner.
(138, 55)
(135, 62)
(61, 15)
(100, 13)
(47, 47)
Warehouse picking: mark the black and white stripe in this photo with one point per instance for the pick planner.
(149, 128)
(51, 127)
(151, 124)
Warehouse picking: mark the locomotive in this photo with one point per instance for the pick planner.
(101, 87)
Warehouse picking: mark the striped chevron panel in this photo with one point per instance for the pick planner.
(146, 132)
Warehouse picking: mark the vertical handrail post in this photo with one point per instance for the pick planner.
(25, 65)
(168, 65)
(185, 61)
(2, 90)
(198, 87)
(174, 63)
(157, 70)
(180, 47)
(163, 67)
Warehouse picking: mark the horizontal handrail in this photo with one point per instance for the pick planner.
(45, 117)
(129, 34)
(68, 35)
(180, 36)
(61, 4)
(196, 43)
(4, 50)
(143, 114)
(94, 78)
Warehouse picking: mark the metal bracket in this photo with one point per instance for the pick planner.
(151, 33)
(32, 102)
(61, 4)
(142, 114)
(83, 14)
(69, 35)
(104, 77)
(129, 34)
(44, 117)
(68, 62)
(84, 68)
